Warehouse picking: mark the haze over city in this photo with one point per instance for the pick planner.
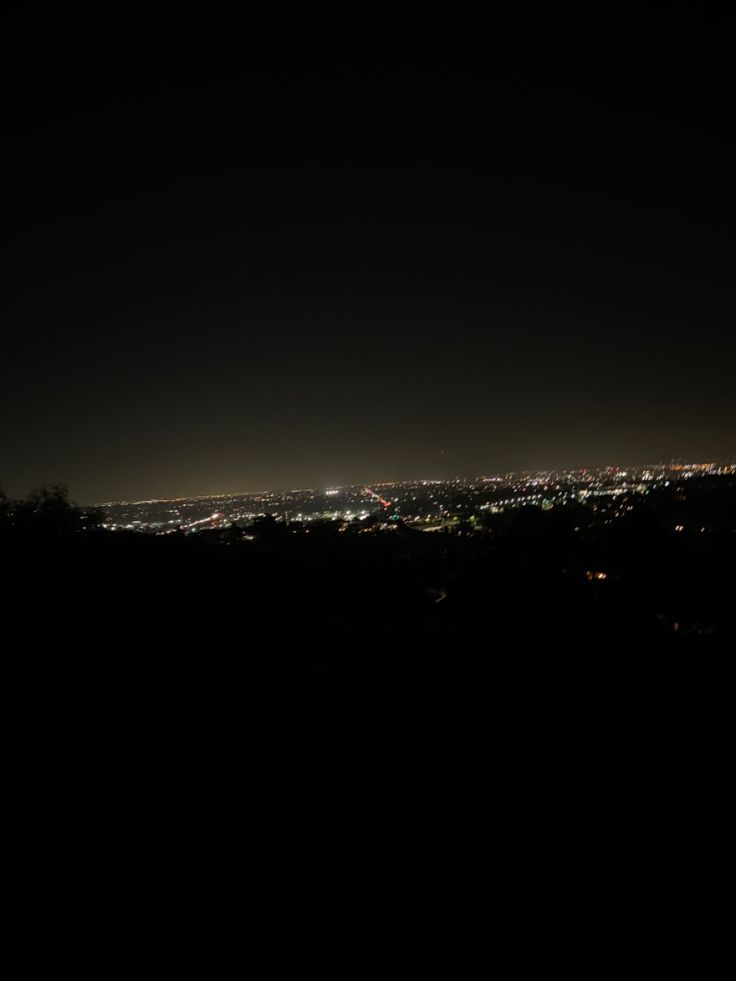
(448, 244)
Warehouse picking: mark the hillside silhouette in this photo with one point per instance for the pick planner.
(341, 604)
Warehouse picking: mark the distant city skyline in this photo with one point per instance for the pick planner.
(422, 504)
(676, 463)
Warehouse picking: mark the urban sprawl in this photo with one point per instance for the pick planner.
(460, 504)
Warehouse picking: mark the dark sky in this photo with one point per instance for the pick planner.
(280, 249)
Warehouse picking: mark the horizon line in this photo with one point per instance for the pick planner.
(677, 461)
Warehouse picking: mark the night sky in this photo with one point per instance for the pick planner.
(282, 249)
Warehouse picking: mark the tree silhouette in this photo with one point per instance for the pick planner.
(4, 509)
(48, 511)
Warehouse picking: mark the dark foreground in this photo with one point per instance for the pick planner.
(465, 702)
(376, 613)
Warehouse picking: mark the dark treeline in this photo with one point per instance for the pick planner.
(351, 604)
(47, 511)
